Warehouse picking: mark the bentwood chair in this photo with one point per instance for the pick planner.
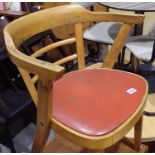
(89, 107)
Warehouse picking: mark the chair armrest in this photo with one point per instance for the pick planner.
(41, 68)
(33, 65)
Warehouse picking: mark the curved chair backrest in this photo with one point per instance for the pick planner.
(21, 29)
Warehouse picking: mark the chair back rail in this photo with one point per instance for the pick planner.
(56, 17)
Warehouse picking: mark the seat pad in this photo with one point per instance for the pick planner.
(141, 49)
(96, 101)
(103, 32)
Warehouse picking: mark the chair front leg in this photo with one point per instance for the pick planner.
(43, 118)
(41, 136)
(138, 134)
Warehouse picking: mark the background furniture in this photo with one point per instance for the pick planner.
(101, 34)
(145, 54)
(138, 8)
(15, 101)
(143, 49)
(47, 73)
(98, 33)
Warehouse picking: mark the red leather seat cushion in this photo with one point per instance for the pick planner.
(96, 101)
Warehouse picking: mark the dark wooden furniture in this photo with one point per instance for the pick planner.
(15, 101)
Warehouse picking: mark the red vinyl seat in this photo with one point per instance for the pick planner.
(94, 101)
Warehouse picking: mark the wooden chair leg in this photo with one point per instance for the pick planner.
(138, 134)
(43, 118)
(41, 135)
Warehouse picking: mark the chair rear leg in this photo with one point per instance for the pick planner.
(138, 134)
(122, 58)
(122, 64)
(135, 64)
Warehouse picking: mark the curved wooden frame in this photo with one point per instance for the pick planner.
(66, 14)
(27, 26)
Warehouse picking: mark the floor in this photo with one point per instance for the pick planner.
(23, 143)
(23, 140)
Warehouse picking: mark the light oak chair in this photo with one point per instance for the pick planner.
(89, 107)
